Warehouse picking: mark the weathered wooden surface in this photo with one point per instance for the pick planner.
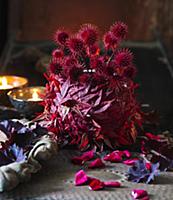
(55, 182)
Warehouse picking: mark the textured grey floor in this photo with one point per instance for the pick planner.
(55, 182)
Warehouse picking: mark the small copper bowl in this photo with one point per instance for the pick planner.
(11, 82)
(25, 101)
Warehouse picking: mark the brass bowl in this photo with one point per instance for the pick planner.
(22, 100)
(15, 82)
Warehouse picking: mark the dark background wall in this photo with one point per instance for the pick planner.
(37, 20)
(3, 22)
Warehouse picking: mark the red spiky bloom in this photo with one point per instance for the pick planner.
(97, 63)
(93, 50)
(61, 37)
(70, 61)
(75, 45)
(123, 58)
(119, 30)
(110, 41)
(57, 53)
(90, 97)
(88, 34)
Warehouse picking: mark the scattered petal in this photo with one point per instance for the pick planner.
(138, 194)
(152, 136)
(88, 155)
(96, 184)
(97, 163)
(112, 184)
(81, 178)
(113, 157)
(130, 161)
(80, 160)
(127, 153)
(148, 165)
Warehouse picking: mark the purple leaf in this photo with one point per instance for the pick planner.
(140, 173)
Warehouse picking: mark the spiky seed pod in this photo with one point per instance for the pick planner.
(61, 37)
(57, 53)
(76, 45)
(119, 30)
(89, 34)
(110, 41)
(123, 58)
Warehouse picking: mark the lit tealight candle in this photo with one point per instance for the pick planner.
(28, 100)
(10, 82)
(35, 96)
(7, 83)
(4, 83)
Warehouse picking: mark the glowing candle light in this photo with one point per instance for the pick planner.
(35, 96)
(4, 83)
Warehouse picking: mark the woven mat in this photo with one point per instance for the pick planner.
(55, 182)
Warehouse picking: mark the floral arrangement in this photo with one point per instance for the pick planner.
(90, 96)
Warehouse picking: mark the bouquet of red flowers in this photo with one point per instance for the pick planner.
(90, 98)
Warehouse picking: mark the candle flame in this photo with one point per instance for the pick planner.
(35, 94)
(3, 81)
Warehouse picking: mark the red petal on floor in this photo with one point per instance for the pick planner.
(96, 184)
(113, 157)
(127, 153)
(81, 178)
(88, 155)
(138, 194)
(97, 163)
(112, 184)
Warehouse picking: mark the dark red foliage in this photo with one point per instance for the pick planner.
(99, 81)
(129, 72)
(158, 150)
(55, 67)
(84, 78)
(75, 73)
